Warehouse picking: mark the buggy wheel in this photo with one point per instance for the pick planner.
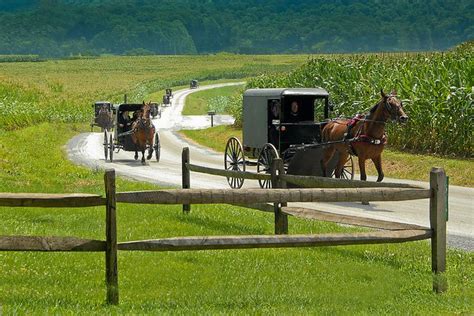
(347, 171)
(157, 147)
(106, 146)
(111, 148)
(264, 163)
(234, 160)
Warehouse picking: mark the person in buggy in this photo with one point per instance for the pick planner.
(124, 121)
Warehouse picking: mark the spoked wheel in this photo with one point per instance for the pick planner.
(106, 146)
(234, 159)
(347, 171)
(157, 146)
(264, 163)
(111, 148)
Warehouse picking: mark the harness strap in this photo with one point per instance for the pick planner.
(371, 140)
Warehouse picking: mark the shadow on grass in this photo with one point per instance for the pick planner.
(224, 227)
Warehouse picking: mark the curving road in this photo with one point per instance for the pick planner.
(86, 149)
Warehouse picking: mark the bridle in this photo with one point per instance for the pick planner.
(144, 121)
(388, 107)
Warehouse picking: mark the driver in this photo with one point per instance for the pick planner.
(294, 115)
(124, 121)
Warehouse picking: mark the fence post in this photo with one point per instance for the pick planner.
(186, 178)
(281, 220)
(438, 227)
(111, 269)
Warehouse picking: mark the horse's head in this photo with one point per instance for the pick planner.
(393, 107)
(146, 110)
(144, 116)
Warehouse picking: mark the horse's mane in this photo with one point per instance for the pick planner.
(372, 110)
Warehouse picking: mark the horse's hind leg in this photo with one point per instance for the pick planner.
(143, 157)
(136, 155)
(378, 165)
(343, 156)
(328, 154)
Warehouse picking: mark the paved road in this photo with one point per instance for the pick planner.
(86, 149)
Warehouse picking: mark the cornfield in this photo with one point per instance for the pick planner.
(437, 91)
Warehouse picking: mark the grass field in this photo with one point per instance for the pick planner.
(396, 164)
(199, 103)
(376, 279)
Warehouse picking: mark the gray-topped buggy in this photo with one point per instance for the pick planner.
(286, 123)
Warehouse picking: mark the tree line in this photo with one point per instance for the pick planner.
(139, 27)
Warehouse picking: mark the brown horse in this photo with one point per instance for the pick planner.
(366, 134)
(143, 132)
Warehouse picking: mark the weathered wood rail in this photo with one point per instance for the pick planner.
(258, 199)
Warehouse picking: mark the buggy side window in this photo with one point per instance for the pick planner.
(273, 114)
(273, 110)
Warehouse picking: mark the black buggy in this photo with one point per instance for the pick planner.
(120, 138)
(193, 84)
(103, 115)
(274, 127)
(167, 100)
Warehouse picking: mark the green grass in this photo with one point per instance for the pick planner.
(396, 164)
(198, 103)
(376, 279)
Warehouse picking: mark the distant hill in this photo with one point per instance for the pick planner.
(71, 27)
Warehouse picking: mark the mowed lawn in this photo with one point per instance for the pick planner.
(375, 279)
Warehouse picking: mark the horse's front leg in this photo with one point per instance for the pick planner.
(136, 155)
(150, 150)
(363, 174)
(378, 165)
(143, 157)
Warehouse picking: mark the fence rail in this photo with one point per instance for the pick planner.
(278, 241)
(50, 200)
(229, 173)
(39, 243)
(324, 182)
(347, 219)
(242, 196)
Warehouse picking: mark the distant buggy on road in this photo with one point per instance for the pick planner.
(194, 84)
(103, 115)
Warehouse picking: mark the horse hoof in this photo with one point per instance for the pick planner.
(365, 203)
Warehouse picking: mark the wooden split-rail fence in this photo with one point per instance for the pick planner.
(388, 232)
